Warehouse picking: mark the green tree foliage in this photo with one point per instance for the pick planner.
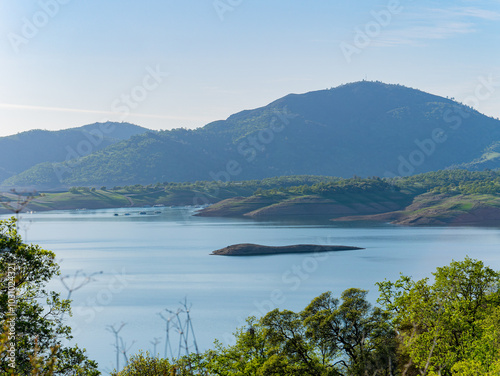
(143, 364)
(39, 331)
(452, 182)
(146, 365)
(451, 325)
(329, 337)
(351, 334)
(332, 188)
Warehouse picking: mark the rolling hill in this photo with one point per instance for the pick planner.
(24, 150)
(363, 128)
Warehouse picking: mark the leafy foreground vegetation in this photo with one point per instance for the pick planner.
(449, 325)
(30, 317)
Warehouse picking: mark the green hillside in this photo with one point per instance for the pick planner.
(168, 194)
(27, 149)
(452, 197)
(363, 128)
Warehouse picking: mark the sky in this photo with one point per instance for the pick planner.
(167, 64)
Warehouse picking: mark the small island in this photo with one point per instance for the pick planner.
(260, 250)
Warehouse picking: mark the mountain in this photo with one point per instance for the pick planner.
(363, 128)
(27, 149)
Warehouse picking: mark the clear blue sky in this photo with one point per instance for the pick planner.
(66, 65)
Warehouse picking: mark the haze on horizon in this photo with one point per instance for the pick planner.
(170, 64)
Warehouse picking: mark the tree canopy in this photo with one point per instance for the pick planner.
(451, 326)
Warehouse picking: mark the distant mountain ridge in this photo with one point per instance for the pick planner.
(363, 128)
(24, 150)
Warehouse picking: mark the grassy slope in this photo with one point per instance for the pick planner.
(101, 199)
(395, 207)
(67, 201)
(405, 207)
(237, 206)
(441, 209)
(454, 210)
(98, 199)
(438, 198)
(302, 205)
(169, 194)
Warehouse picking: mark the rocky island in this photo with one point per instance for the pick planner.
(260, 250)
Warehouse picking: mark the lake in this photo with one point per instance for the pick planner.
(155, 261)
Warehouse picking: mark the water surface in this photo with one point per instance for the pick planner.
(154, 261)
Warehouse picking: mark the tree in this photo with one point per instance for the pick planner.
(353, 336)
(274, 345)
(451, 325)
(36, 332)
(290, 352)
(246, 357)
(145, 364)
(328, 338)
